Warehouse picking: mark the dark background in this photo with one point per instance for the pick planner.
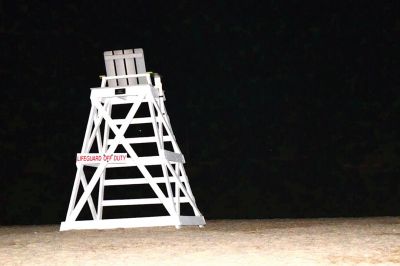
(282, 109)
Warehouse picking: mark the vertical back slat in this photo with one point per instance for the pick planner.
(110, 69)
(120, 67)
(140, 65)
(130, 67)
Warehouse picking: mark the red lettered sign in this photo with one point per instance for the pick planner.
(99, 158)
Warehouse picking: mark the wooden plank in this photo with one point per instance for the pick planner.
(137, 140)
(131, 202)
(113, 57)
(103, 176)
(119, 223)
(145, 160)
(130, 66)
(127, 76)
(119, 136)
(178, 191)
(135, 181)
(80, 168)
(160, 147)
(142, 140)
(183, 188)
(110, 69)
(120, 67)
(167, 126)
(126, 202)
(124, 99)
(119, 132)
(140, 65)
(140, 120)
(139, 90)
(133, 222)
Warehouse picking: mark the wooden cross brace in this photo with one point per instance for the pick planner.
(173, 210)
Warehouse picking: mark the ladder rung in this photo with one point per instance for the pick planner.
(140, 120)
(137, 181)
(141, 140)
(135, 140)
(147, 201)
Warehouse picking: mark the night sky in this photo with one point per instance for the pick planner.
(281, 108)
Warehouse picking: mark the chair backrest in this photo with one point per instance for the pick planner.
(125, 62)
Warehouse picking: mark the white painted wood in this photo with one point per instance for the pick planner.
(95, 132)
(120, 68)
(90, 200)
(130, 65)
(110, 69)
(80, 168)
(127, 67)
(136, 181)
(139, 90)
(132, 222)
(144, 160)
(167, 125)
(121, 100)
(140, 65)
(98, 136)
(177, 192)
(125, 62)
(125, 56)
(80, 176)
(160, 150)
(185, 178)
(126, 202)
(103, 176)
(126, 76)
(183, 188)
(119, 135)
(142, 140)
(140, 120)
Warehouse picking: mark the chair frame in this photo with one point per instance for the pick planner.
(102, 100)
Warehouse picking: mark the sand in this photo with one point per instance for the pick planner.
(340, 241)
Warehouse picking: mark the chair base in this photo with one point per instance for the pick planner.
(133, 222)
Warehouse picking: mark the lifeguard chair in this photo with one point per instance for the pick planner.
(128, 83)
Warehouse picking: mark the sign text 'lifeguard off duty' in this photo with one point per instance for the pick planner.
(98, 157)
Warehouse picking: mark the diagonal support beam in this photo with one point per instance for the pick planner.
(102, 166)
(133, 155)
(80, 176)
(108, 107)
(167, 125)
(178, 181)
(161, 151)
(97, 122)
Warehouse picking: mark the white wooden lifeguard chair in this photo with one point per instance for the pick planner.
(128, 83)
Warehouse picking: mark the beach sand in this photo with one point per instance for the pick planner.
(338, 241)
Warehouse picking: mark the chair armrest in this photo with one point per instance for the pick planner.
(157, 80)
(158, 84)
